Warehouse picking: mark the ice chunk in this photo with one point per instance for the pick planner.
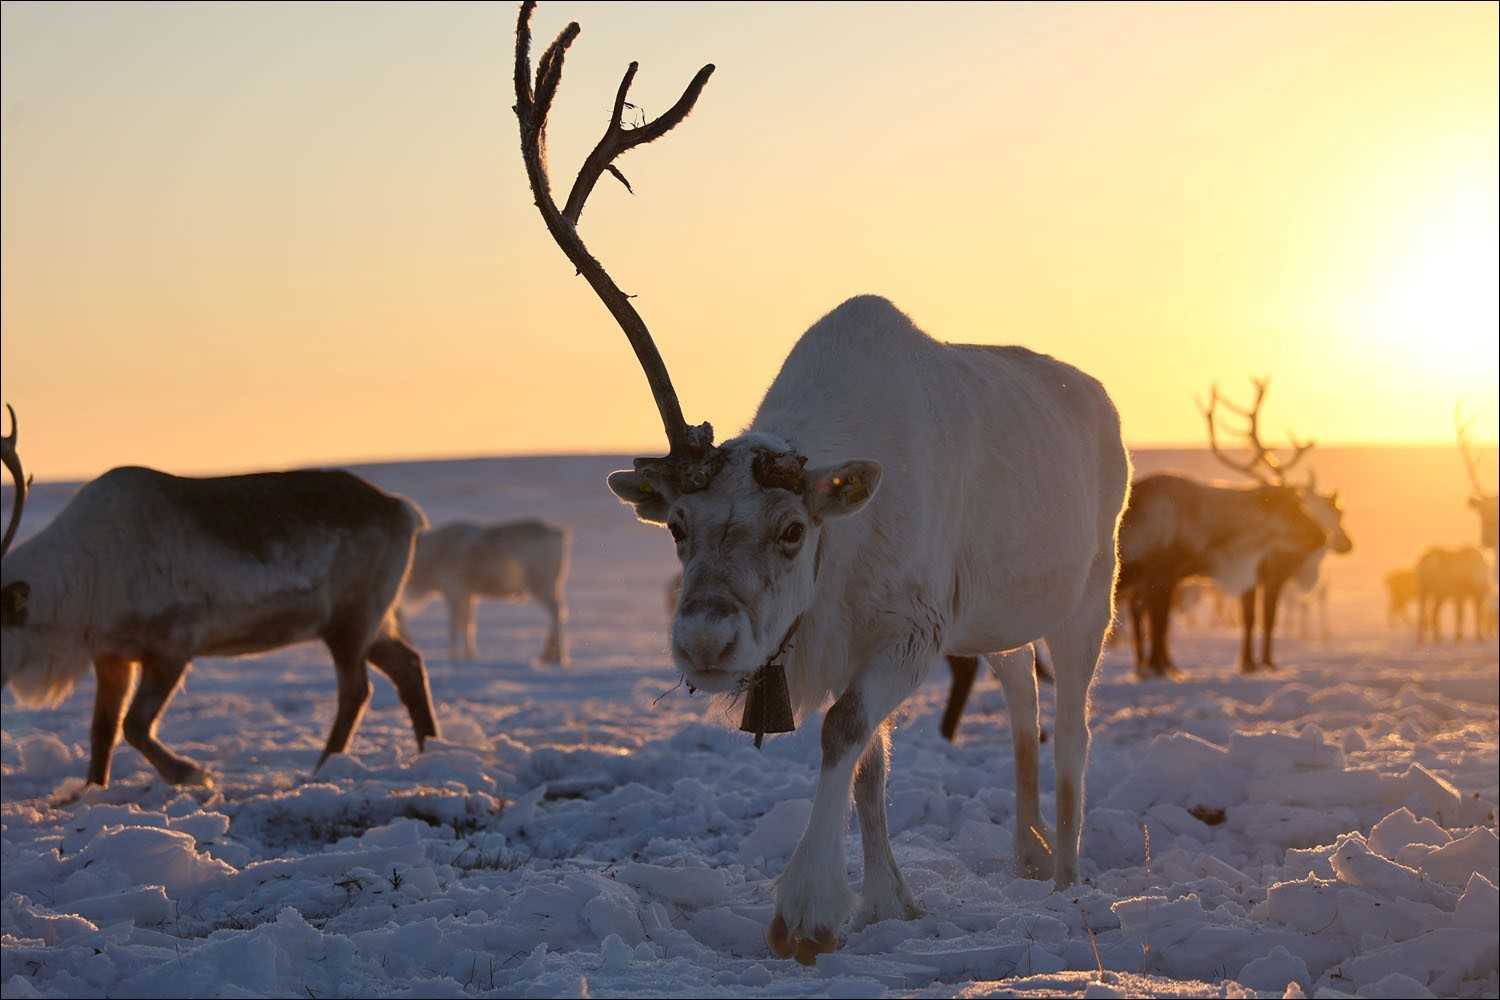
(403, 831)
(1355, 864)
(153, 856)
(696, 887)
(1429, 795)
(143, 906)
(1479, 906)
(202, 826)
(1396, 986)
(1477, 851)
(614, 954)
(1275, 752)
(1179, 768)
(1275, 970)
(1439, 959)
(1400, 828)
(777, 832)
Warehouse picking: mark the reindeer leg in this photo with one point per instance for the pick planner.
(403, 627)
(964, 668)
(1159, 608)
(1137, 632)
(460, 626)
(548, 593)
(160, 678)
(1033, 850)
(812, 895)
(349, 647)
(1270, 598)
(885, 894)
(403, 665)
(1076, 651)
(1247, 626)
(112, 689)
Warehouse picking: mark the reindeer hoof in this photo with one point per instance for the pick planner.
(779, 939)
(784, 944)
(196, 776)
(185, 772)
(821, 943)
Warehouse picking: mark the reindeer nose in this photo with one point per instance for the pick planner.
(704, 635)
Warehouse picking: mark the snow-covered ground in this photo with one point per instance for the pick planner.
(1329, 829)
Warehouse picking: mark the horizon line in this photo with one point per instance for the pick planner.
(347, 463)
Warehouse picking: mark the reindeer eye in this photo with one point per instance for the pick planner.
(677, 533)
(792, 533)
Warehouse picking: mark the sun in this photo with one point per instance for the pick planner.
(1434, 306)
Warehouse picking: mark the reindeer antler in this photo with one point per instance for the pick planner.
(1260, 455)
(1466, 448)
(12, 461)
(690, 461)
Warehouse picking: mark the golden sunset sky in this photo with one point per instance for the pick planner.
(258, 236)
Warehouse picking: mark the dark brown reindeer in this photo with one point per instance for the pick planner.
(1177, 527)
(143, 569)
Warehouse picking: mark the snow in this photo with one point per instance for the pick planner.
(1328, 830)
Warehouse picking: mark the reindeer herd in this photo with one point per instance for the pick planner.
(835, 549)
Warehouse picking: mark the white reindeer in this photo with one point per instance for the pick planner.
(145, 568)
(896, 499)
(511, 561)
(1309, 589)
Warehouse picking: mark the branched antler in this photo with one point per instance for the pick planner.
(691, 461)
(1461, 427)
(1261, 457)
(12, 461)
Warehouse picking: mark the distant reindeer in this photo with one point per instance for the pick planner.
(1401, 590)
(1176, 528)
(463, 561)
(1298, 565)
(872, 519)
(1485, 503)
(145, 568)
(1460, 575)
(1302, 607)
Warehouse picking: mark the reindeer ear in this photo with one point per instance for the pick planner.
(13, 603)
(645, 496)
(836, 490)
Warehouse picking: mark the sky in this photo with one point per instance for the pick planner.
(259, 236)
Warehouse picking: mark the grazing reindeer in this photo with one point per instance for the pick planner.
(1401, 590)
(145, 568)
(511, 561)
(870, 521)
(1176, 528)
(1486, 504)
(1457, 575)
